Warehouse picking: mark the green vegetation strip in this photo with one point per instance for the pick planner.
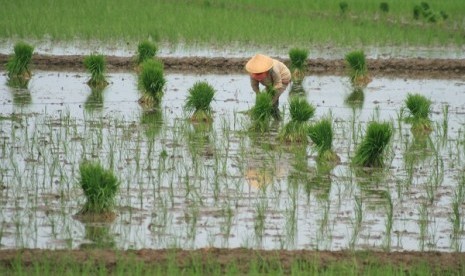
(239, 261)
(261, 22)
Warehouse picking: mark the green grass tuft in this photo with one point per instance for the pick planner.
(18, 65)
(370, 152)
(145, 51)
(95, 65)
(198, 101)
(152, 81)
(100, 187)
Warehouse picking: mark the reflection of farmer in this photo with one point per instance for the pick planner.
(258, 176)
(271, 73)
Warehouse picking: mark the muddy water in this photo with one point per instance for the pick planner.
(221, 186)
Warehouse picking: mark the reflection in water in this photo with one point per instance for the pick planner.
(94, 100)
(99, 235)
(152, 121)
(21, 96)
(355, 99)
(297, 89)
(199, 139)
(260, 173)
(419, 150)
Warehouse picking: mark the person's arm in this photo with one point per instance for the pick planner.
(255, 85)
(277, 85)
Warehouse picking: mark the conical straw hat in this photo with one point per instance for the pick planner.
(259, 64)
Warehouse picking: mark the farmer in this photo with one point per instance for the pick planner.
(271, 73)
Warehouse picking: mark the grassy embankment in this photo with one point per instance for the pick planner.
(279, 23)
(235, 262)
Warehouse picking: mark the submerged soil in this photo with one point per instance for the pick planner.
(241, 258)
(411, 67)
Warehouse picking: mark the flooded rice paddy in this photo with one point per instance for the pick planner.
(190, 186)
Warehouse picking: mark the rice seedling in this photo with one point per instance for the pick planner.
(370, 152)
(146, 50)
(18, 65)
(321, 134)
(357, 68)
(100, 187)
(343, 6)
(418, 112)
(423, 10)
(262, 112)
(296, 129)
(152, 82)
(198, 101)
(298, 59)
(384, 7)
(95, 64)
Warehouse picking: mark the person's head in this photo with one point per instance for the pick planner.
(258, 66)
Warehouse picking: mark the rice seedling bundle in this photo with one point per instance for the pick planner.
(296, 129)
(95, 65)
(321, 134)
(18, 65)
(298, 59)
(419, 108)
(152, 81)
(358, 71)
(146, 50)
(370, 152)
(262, 112)
(198, 101)
(100, 187)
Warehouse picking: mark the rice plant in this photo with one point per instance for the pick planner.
(151, 81)
(357, 68)
(100, 187)
(146, 50)
(18, 65)
(423, 10)
(296, 129)
(321, 134)
(384, 7)
(262, 112)
(370, 152)
(198, 101)
(419, 109)
(298, 59)
(95, 65)
(343, 6)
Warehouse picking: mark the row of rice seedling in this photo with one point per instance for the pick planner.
(327, 26)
